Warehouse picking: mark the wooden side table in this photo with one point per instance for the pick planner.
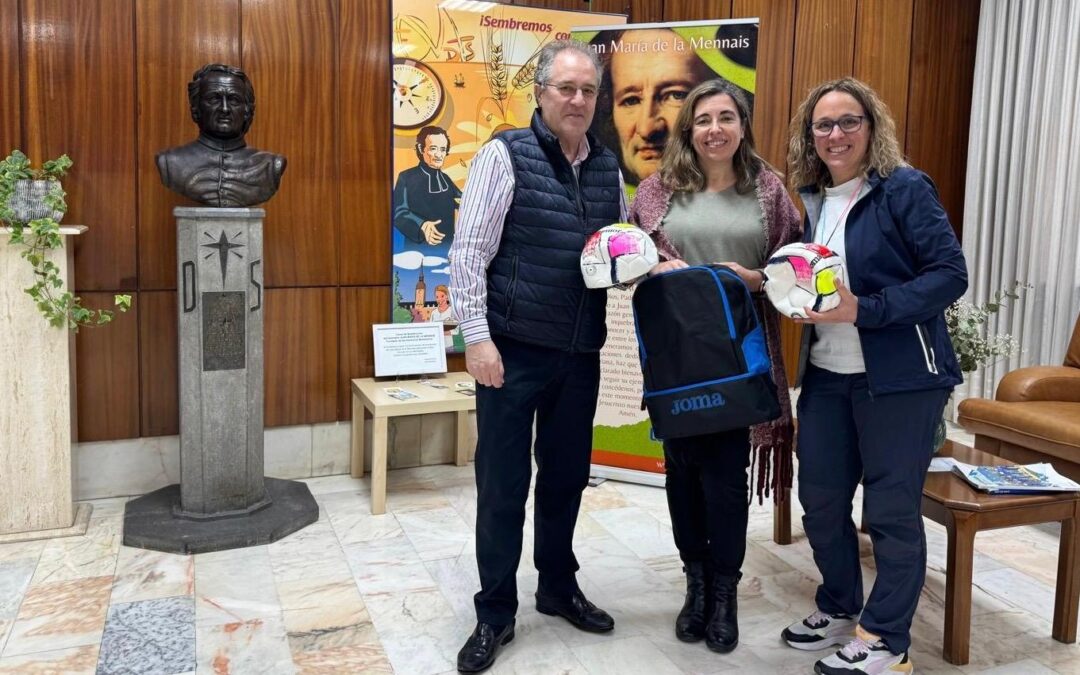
(369, 399)
(964, 511)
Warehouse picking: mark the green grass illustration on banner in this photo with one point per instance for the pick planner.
(631, 439)
(715, 59)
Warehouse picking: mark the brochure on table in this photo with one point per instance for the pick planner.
(1008, 478)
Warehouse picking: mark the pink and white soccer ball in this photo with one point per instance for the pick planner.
(803, 275)
(617, 254)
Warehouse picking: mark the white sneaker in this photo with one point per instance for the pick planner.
(866, 658)
(820, 630)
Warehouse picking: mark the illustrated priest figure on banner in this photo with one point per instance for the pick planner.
(425, 198)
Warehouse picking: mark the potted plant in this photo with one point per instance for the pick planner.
(32, 205)
(965, 321)
(974, 348)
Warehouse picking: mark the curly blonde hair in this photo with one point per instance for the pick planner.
(883, 154)
(679, 168)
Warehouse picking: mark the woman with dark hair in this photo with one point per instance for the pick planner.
(715, 199)
(875, 371)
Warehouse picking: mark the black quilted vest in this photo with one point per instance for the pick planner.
(535, 289)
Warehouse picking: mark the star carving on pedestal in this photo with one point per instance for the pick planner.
(223, 246)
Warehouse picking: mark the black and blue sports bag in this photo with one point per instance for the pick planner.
(703, 354)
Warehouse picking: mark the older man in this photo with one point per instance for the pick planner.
(533, 334)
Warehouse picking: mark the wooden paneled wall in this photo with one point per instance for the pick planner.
(104, 81)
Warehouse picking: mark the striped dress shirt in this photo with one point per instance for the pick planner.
(485, 202)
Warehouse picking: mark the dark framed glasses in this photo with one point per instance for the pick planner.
(849, 124)
(568, 91)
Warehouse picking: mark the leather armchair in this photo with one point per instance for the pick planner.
(1035, 414)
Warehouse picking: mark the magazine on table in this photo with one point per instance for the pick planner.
(1010, 478)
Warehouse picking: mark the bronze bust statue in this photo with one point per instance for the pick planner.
(218, 168)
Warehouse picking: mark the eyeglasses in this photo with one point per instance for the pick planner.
(849, 124)
(568, 91)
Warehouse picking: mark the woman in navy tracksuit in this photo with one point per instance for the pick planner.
(876, 372)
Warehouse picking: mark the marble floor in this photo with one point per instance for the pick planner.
(356, 593)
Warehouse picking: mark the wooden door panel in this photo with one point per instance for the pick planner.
(11, 108)
(696, 10)
(78, 79)
(360, 308)
(364, 254)
(772, 100)
(159, 408)
(107, 374)
(939, 110)
(300, 355)
(824, 44)
(290, 54)
(173, 40)
(883, 53)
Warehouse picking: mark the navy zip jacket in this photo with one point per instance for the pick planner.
(906, 266)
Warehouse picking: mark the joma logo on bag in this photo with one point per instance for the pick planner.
(695, 403)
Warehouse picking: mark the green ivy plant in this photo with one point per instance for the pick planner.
(60, 306)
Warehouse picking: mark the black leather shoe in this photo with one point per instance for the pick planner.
(722, 632)
(482, 647)
(577, 610)
(690, 624)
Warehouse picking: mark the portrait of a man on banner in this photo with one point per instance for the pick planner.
(648, 71)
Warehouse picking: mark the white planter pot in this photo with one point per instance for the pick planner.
(28, 201)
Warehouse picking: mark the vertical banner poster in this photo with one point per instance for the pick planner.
(648, 71)
(461, 72)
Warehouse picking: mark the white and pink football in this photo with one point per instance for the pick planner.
(803, 275)
(617, 254)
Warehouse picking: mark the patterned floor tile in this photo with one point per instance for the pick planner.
(151, 636)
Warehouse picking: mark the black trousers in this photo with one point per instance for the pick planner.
(708, 497)
(559, 390)
(847, 435)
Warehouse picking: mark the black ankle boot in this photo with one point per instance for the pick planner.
(722, 631)
(690, 624)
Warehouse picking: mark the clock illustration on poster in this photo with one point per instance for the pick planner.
(418, 94)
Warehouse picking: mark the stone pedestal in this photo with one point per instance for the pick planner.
(223, 500)
(37, 406)
(220, 315)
